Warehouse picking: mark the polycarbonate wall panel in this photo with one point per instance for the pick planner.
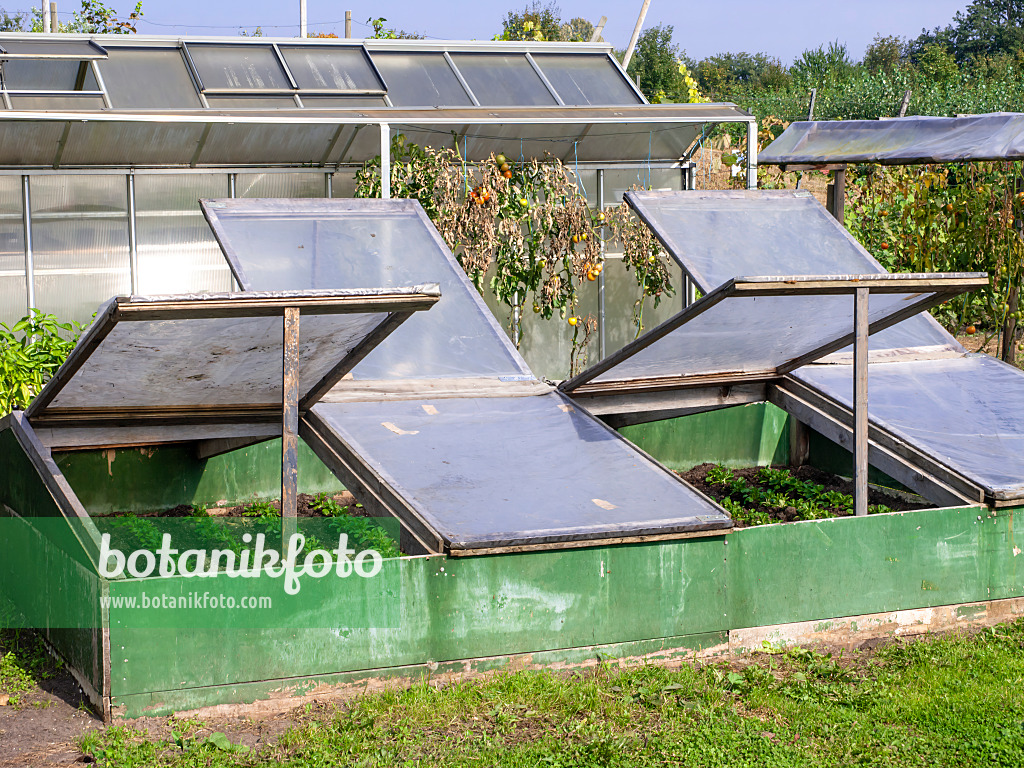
(965, 412)
(13, 292)
(724, 234)
(342, 69)
(341, 102)
(504, 471)
(251, 102)
(280, 185)
(751, 335)
(230, 67)
(177, 251)
(80, 242)
(503, 80)
(298, 245)
(621, 295)
(208, 361)
(48, 75)
(586, 79)
(130, 75)
(52, 103)
(420, 80)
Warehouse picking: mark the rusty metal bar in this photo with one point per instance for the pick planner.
(290, 422)
(860, 402)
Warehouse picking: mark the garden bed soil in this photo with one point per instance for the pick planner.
(894, 500)
(305, 508)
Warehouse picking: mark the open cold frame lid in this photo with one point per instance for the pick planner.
(215, 357)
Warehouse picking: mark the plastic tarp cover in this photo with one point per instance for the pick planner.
(302, 244)
(903, 141)
(752, 335)
(718, 235)
(965, 412)
(497, 472)
(202, 361)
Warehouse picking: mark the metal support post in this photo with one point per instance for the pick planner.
(302, 18)
(328, 185)
(133, 247)
(232, 180)
(836, 195)
(30, 264)
(290, 422)
(385, 161)
(600, 278)
(860, 402)
(752, 155)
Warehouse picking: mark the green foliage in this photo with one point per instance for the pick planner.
(947, 700)
(536, 21)
(363, 532)
(985, 28)
(655, 64)
(823, 67)
(380, 32)
(936, 63)
(885, 54)
(30, 353)
(778, 495)
(722, 73)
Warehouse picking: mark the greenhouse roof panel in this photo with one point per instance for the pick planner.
(215, 356)
(717, 235)
(902, 141)
(469, 476)
(341, 244)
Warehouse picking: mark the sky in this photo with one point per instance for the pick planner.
(781, 28)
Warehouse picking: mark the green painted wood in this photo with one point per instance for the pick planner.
(848, 566)
(167, 702)
(741, 436)
(452, 609)
(158, 478)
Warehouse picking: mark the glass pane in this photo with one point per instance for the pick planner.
(251, 102)
(280, 185)
(751, 335)
(342, 102)
(499, 80)
(421, 80)
(238, 66)
(965, 412)
(336, 69)
(48, 75)
(718, 235)
(80, 242)
(177, 251)
(13, 292)
(33, 46)
(530, 469)
(61, 103)
(297, 245)
(586, 79)
(148, 78)
(209, 361)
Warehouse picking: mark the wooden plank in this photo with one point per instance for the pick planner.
(628, 408)
(963, 489)
(154, 416)
(66, 438)
(240, 305)
(673, 382)
(360, 351)
(898, 467)
(948, 284)
(373, 492)
(352, 391)
(799, 442)
(860, 403)
(290, 417)
(207, 449)
(592, 542)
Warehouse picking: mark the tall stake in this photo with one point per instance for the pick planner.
(636, 34)
(860, 403)
(46, 16)
(290, 422)
(302, 18)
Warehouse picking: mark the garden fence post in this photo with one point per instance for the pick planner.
(290, 423)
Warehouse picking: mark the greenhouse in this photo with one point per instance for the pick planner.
(270, 337)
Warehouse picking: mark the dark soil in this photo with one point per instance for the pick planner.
(876, 496)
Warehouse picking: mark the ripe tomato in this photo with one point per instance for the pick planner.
(971, 330)
(573, 320)
(884, 246)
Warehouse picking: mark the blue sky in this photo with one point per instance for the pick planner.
(782, 28)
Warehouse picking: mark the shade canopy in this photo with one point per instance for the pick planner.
(902, 141)
(213, 357)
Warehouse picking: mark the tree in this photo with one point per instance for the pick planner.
(885, 54)
(718, 74)
(937, 63)
(534, 22)
(380, 32)
(576, 30)
(984, 28)
(655, 65)
(94, 18)
(822, 67)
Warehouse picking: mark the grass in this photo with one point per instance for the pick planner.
(953, 700)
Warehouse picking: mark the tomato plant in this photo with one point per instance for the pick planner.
(30, 353)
